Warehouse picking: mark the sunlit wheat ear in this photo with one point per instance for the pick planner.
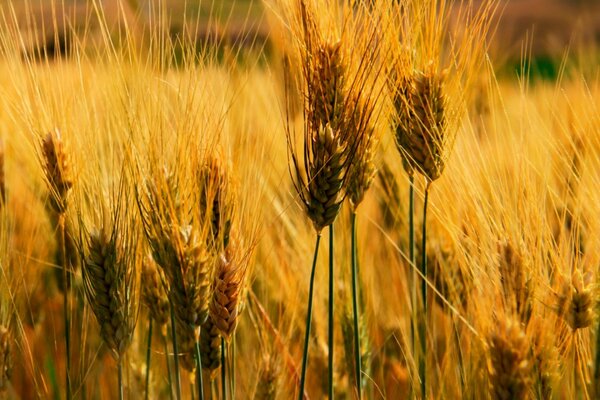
(210, 347)
(509, 365)
(57, 170)
(6, 360)
(361, 175)
(216, 201)
(227, 290)
(324, 195)
(545, 359)
(424, 142)
(111, 287)
(326, 159)
(576, 300)
(517, 287)
(154, 293)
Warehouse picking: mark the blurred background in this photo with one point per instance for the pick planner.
(549, 31)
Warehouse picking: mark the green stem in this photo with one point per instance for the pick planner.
(148, 355)
(413, 276)
(596, 387)
(120, 368)
(168, 367)
(223, 371)
(61, 227)
(330, 330)
(308, 318)
(423, 324)
(232, 369)
(175, 353)
(199, 381)
(357, 361)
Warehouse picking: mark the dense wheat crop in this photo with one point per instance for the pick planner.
(164, 178)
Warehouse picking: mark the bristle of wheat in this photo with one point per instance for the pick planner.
(2, 175)
(509, 365)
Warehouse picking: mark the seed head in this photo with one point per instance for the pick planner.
(57, 171)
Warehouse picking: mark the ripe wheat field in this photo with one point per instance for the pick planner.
(353, 205)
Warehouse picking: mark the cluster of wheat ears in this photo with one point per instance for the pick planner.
(149, 226)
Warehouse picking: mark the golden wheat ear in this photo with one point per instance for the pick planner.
(154, 293)
(57, 170)
(227, 289)
(509, 364)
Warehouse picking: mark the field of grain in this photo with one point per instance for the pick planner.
(297, 199)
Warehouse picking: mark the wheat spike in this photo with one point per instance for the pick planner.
(57, 171)
(424, 143)
(154, 294)
(227, 287)
(216, 201)
(517, 286)
(210, 346)
(508, 365)
(111, 288)
(576, 302)
(6, 365)
(266, 387)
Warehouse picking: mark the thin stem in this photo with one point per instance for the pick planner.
(423, 325)
(232, 367)
(596, 387)
(168, 367)
(357, 361)
(148, 355)
(199, 381)
(413, 276)
(63, 250)
(223, 370)
(120, 368)
(175, 352)
(330, 330)
(308, 318)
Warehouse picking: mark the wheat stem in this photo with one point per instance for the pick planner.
(61, 227)
(175, 352)
(596, 388)
(223, 371)
(308, 318)
(413, 261)
(330, 330)
(232, 368)
(120, 373)
(199, 370)
(423, 325)
(166, 344)
(357, 361)
(148, 355)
